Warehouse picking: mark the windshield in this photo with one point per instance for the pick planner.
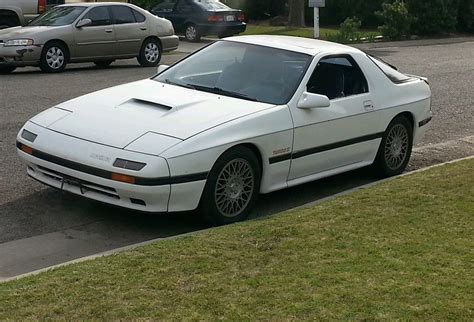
(211, 4)
(240, 70)
(58, 16)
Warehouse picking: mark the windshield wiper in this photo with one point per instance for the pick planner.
(217, 90)
(167, 81)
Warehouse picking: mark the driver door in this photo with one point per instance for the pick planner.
(98, 38)
(342, 134)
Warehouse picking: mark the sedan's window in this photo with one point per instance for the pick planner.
(337, 77)
(241, 70)
(184, 6)
(165, 6)
(122, 15)
(59, 16)
(100, 16)
(138, 16)
(211, 4)
(389, 70)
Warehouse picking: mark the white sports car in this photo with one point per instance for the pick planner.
(243, 116)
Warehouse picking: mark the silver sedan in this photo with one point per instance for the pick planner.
(87, 32)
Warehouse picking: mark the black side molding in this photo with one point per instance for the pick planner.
(323, 148)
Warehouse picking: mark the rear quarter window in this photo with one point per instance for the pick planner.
(389, 71)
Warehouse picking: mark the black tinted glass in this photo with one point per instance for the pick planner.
(211, 4)
(337, 77)
(394, 75)
(123, 14)
(165, 6)
(138, 16)
(100, 16)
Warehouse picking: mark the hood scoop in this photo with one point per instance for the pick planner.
(145, 103)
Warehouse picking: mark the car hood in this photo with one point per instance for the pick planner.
(22, 32)
(119, 115)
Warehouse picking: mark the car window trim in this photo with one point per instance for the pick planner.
(354, 64)
(92, 8)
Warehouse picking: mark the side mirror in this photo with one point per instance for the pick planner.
(310, 100)
(162, 68)
(84, 23)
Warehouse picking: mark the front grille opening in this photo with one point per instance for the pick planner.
(31, 169)
(138, 201)
(84, 186)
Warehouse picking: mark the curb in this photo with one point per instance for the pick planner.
(148, 242)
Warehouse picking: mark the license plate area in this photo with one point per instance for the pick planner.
(229, 18)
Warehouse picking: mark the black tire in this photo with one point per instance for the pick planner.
(103, 63)
(232, 187)
(6, 69)
(191, 33)
(54, 57)
(395, 149)
(150, 53)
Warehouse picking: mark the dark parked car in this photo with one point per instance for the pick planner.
(196, 18)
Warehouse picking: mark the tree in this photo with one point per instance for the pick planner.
(296, 13)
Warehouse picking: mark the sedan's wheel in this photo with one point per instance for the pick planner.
(150, 53)
(395, 148)
(6, 69)
(192, 33)
(53, 58)
(232, 187)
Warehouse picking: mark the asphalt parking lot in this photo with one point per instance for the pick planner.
(40, 227)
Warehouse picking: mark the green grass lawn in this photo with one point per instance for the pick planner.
(298, 32)
(400, 250)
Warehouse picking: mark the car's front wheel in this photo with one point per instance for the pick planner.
(150, 53)
(191, 33)
(232, 187)
(395, 149)
(54, 58)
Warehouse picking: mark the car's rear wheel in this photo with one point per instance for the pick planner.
(232, 187)
(6, 69)
(150, 53)
(395, 149)
(103, 63)
(191, 33)
(54, 58)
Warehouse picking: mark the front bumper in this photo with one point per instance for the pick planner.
(20, 55)
(169, 43)
(56, 164)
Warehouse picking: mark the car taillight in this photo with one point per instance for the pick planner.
(41, 6)
(242, 17)
(215, 18)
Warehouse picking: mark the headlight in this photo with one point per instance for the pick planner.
(18, 42)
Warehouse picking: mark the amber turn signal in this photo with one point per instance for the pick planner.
(26, 149)
(123, 178)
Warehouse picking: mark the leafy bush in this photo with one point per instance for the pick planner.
(336, 11)
(350, 29)
(466, 16)
(396, 20)
(434, 16)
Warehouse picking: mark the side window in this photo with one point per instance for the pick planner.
(138, 16)
(165, 6)
(122, 14)
(184, 6)
(100, 16)
(337, 76)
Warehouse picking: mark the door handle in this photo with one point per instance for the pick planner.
(368, 106)
(108, 31)
(142, 28)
